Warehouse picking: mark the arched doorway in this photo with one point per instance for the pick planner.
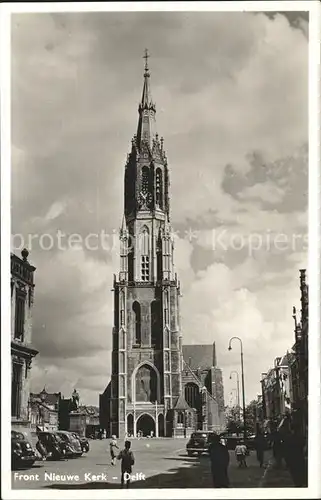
(161, 426)
(145, 424)
(130, 425)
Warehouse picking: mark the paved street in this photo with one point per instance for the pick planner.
(163, 462)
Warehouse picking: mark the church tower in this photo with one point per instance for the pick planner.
(147, 345)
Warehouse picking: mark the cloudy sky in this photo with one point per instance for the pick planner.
(231, 98)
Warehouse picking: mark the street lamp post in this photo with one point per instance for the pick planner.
(242, 374)
(237, 391)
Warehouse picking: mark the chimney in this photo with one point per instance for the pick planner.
(214, 355)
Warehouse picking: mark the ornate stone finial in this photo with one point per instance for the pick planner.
(162, 142)
(25, 254)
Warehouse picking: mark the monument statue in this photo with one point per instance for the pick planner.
(75, 399)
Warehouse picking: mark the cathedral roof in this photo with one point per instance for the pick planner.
(198, 356)
(181, 403)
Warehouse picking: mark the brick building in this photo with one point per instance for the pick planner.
(146, 392)
(22, 352)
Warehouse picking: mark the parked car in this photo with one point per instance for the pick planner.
(22, 453)
(83, 442)
(198, 443)
(73, 446)
(55, 446)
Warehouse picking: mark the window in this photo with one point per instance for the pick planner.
(16, 389)
(137, 323)
(159, 188)
(180, 418)
(144, 251)
(145, 268)
(19, 316)
(145, 180)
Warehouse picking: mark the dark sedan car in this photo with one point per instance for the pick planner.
(54, 445)
(22, 454)
(198, 443)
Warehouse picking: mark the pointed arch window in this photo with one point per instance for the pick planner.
(159, 188)
(144, 251)
(145, 180)
(137, 324)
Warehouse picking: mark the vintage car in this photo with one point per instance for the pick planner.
(54, 445)
(22, 453)
(73, 445)
(198, 443)
(83, 442)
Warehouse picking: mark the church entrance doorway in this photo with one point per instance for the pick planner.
(145, 424)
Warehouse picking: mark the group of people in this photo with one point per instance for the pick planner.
(286, 445)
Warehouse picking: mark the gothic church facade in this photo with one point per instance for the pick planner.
(146, 391)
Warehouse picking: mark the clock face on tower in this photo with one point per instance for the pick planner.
(144, 199)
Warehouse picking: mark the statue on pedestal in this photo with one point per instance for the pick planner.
(75, 400)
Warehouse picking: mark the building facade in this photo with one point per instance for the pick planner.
(146, 392)
(285, 386)
(300, 360)
(22, 352)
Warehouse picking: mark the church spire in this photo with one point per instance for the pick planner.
(146, 123)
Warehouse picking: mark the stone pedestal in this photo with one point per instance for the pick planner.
(77, 422)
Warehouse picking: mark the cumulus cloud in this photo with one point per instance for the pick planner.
(231, 98)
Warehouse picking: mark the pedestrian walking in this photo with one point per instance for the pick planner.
(260, 444)
(112, 447)
(240, 453)
(127, 461)
(220, 459)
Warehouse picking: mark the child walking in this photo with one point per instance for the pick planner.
(112, 446)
